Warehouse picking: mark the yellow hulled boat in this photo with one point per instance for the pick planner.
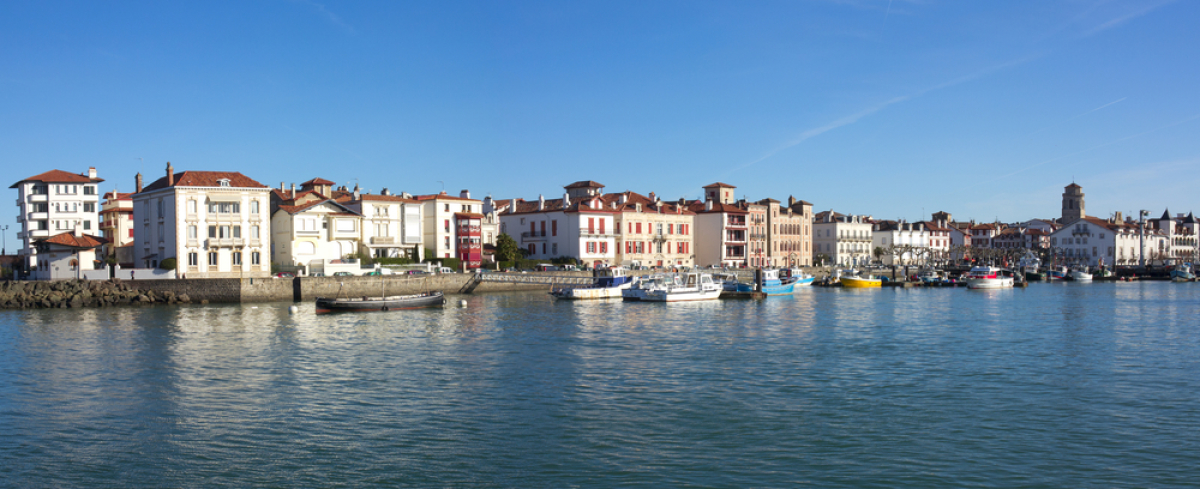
(861, 282)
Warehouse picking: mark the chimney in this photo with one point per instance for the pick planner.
(623, 198)
(138, 180)
(385, 191)
(466, 194)
(78, 231)
(357, 194)
(294, 190)
(682, 202)
(708, 205)
(282, 188)
(652, 199)
(170, 175)
(566, 200)
(541, 202)
(791, 201)
(92, 172)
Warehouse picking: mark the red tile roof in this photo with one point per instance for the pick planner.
(69, 239)
(700, 208)
(718, 184)
(381, 198)
(555, 205)
(205, 179)
(585, 184)
(317, 181)
(114, 195)
(468, 215)
(634, 198)
(58, 176)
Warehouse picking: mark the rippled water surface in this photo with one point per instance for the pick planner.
(1058, 385)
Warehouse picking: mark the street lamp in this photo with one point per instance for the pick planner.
(4, 239)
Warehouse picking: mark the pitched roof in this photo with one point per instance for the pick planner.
(468, 215)
(983, 226)
(380, 198)
(1190, 219)
(114, 195)
(444, 196)
(317, 181)
(1073, 185)
(58, 176)
(718, 184)
(294, 209)
(1166, 214)
(702, 208)
(205, 179)
(634, 198)
(69, 239)
(521, 206)
(585, 184)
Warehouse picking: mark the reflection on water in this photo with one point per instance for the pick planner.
(1045, 386)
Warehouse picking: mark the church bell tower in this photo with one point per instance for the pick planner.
(1072, 203)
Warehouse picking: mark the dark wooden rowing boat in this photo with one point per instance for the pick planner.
(398, 302)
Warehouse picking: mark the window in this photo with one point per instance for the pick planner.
(447, 208)
(237, 258)
(191, 231)
(554, 228)
(159, 207)
(543, 248)
(237, 231)
(554, 248)
(191, 206)
(212, 231)
(254, 207)
(639, 228)
(224, 231)
(237, 207)
(90, 207)
(602, 225)
(254, 232)
(212, 259)
(193, 259)
(255, 258)
(87, 225)
(212, 207)
(543, 228)
(160, 233)
(604, 247)
(224, 182)
(447, 244)
(446, 225)
(591, 225)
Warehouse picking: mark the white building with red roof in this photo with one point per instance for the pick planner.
(722, 228)
(579, 226)
(215, 224)
(54, 202)
(316, 231)
(652, 232)
(391, 224)
(68, 256)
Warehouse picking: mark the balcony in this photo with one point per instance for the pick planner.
(383, 240)
(584, 233)
(37, 198)
(529, 237)
(36, 233)
(38, 216)
(224, 242)
(658, 238)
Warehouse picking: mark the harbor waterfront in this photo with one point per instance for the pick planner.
(1054, 385)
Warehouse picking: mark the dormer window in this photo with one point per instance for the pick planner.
(224, 182)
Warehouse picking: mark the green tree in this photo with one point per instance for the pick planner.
(506, 248)
(167, 264)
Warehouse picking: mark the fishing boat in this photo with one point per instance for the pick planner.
(1058, 273)
(930, 277)
(772, 284)
(691, 286)
(1183, 273)
(1080, 274)
(797, 276)
(392, 303)
(609, 283)
(854, 280)
(989, 278)
(1030, 267)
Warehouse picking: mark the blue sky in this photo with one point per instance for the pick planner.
(892, 108)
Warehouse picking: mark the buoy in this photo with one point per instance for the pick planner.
(293, 309)
(462, 303)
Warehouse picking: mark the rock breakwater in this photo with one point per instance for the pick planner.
(80, 293)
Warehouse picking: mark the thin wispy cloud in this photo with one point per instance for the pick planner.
(330, 16)
(855, 117)
(1110, 143)
(1147, 8)
(1069, 119)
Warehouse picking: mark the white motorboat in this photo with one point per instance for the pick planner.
(1080, 275)
(989, 278)
(682, 287)
(638, 291)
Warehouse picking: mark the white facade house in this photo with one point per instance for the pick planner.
(905, 243)
(391, 225)
(214, 224)
(315, 231)
(52, 203)
(844, 239)
(69, 256)
(577, 226)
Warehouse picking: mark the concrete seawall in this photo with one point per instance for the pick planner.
(309, 288)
